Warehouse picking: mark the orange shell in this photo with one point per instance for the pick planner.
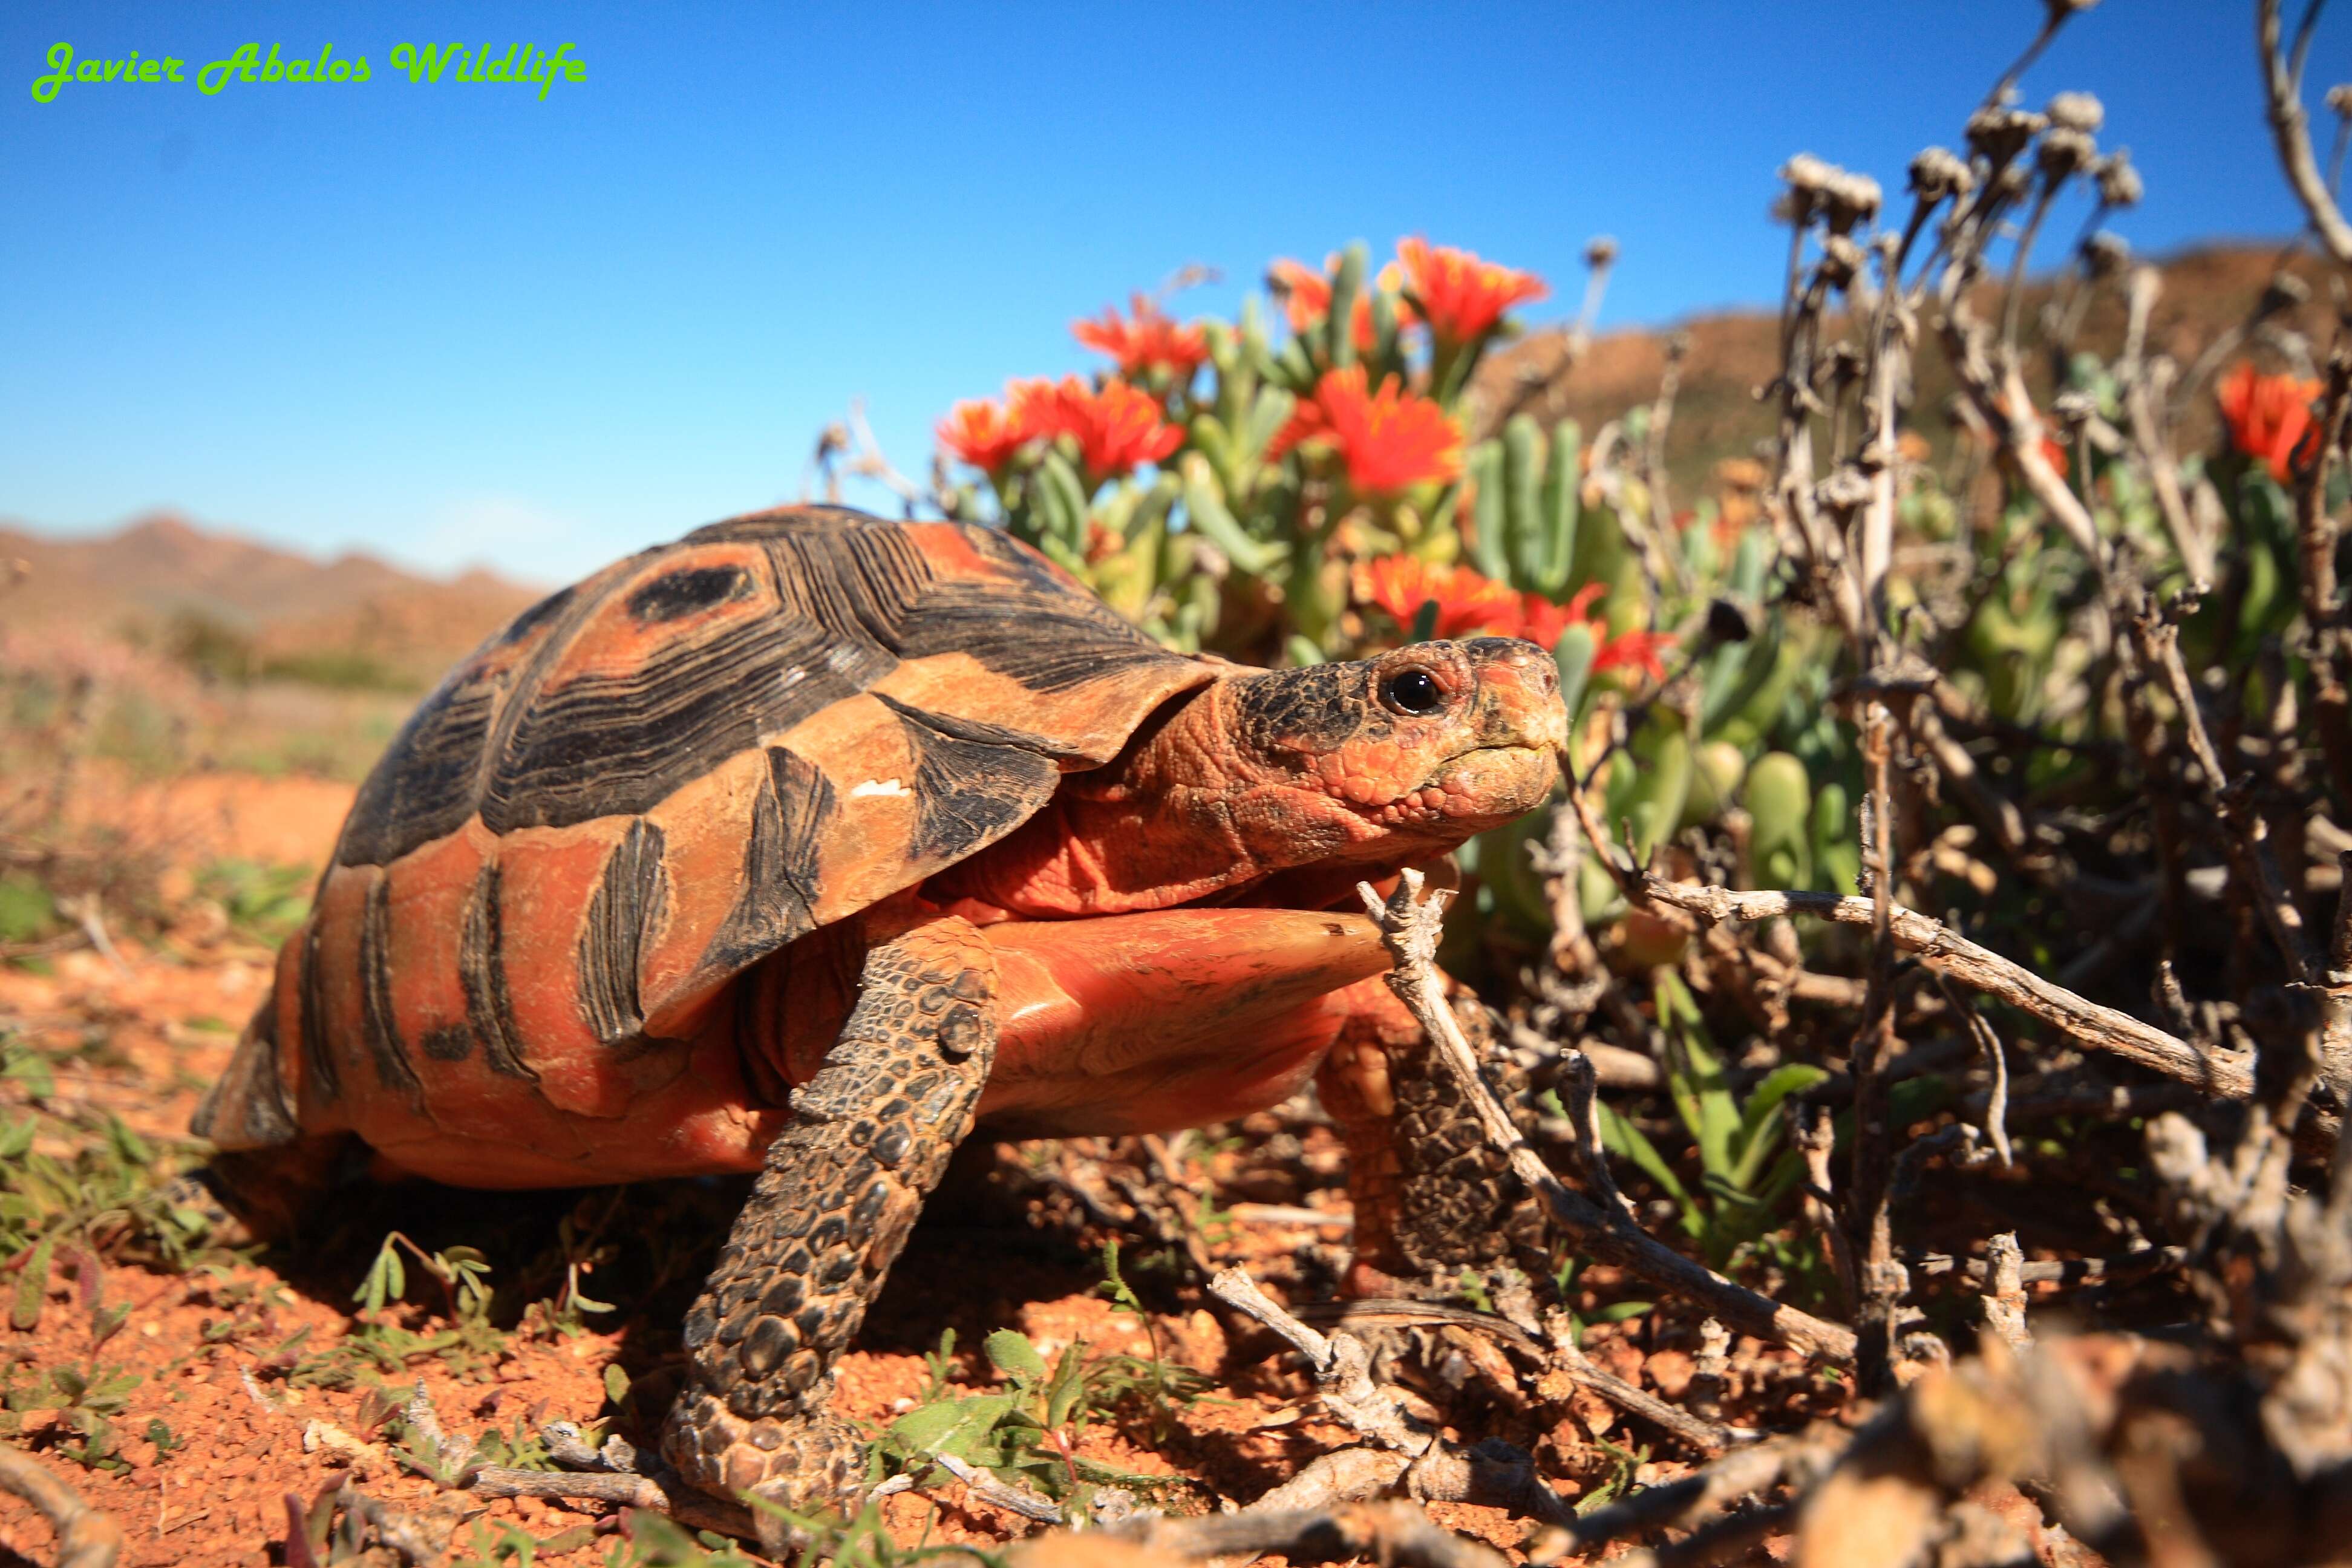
(644, 787)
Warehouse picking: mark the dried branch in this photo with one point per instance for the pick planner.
(1678, 1504)
(1946, 953)
(85, 1537)
(1435, 1468)
(2283, 99)
(1392, 1532)
(1880, 1279)
(1705, 1437)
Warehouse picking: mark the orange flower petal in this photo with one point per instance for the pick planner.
(1460, 296)
(1390, 439)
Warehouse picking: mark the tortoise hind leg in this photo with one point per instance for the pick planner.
(869, 1136)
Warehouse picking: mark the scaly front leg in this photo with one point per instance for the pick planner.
(870, 1134)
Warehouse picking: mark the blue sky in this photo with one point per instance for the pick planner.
(454, 322)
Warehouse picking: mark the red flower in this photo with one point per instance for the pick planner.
(1305, 293)
(1306, 296)
(2053, 452)
(1466, 602)
(1151, 339)
(1460, 296)
(1640, 649)
(988, 435)
(2268, 415)
(1543, 623)
(1390, 439)
(1115, 425)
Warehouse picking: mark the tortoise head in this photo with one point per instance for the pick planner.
(1427, 745)
(1286, 787)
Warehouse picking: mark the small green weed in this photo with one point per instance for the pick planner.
(87, 1399)
(264, 901)
(1024, 1432)
(381, 1348)
(1117, 1378)
(110, 1199)
(1743, 1184)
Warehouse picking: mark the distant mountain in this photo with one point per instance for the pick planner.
(2207, 291)
(162, 579)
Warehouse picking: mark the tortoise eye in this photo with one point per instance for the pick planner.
(1412, 690)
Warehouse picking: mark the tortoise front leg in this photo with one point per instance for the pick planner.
(869, 1136)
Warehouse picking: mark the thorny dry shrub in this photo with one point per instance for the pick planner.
(1949, 901)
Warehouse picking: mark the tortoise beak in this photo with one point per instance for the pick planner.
(1517, 731)
(1518, 701)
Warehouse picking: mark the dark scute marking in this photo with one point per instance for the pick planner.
(268, 1119)
(394, 1071)
(449, 1043)
(600, 745)
(973, 783)
(781, 868)
(482, 969)
(1314, 710)
(776, 523)
(424, 787)
(538, 615)
(1028, 625)
(628, 901)
(676, 594)
(315, 1048)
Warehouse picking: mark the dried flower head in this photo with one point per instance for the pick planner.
(2106, 254)
(1841, 259)
(1807, 178)
(2077, 111)
(1599, 250)
(2119, 184)
(1998, 132)
(1938, 173)
(2340, 98)
(1850, 199)
(2064, 152)
(2284, 291)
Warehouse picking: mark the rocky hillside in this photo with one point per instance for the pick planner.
(242, 609)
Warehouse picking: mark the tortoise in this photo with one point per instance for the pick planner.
(808, 842)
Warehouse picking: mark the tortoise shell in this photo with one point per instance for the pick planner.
(644, 786)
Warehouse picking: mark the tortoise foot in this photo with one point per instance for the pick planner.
(802, 1465)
